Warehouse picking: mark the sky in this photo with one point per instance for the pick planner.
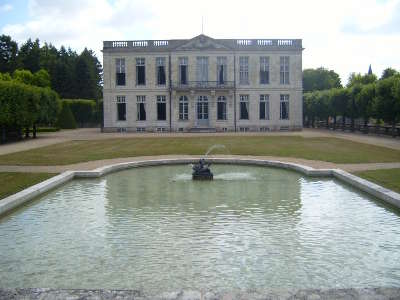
(341, 35)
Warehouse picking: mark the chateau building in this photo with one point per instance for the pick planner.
(203, 84)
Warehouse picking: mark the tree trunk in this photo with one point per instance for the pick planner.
(327, 123)
(3, 134)
(352, 124)
(34, 131)
(312, 122)
(394, 129)
(334, 122)
(19, 133)
(26, 132)
(343, 122)
(366, 128)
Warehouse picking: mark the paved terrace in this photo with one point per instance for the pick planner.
(95, 134)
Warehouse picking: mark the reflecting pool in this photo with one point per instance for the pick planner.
(154, 229)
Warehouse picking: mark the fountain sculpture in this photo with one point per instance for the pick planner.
(201, 171)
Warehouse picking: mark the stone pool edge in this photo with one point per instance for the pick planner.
(11, 202)
(349, 293)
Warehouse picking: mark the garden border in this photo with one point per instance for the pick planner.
(11, 202)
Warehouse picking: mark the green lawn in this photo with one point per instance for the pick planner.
(14, 182)
(325, 149)
(389, 178)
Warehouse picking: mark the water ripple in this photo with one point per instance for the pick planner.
(157, 230)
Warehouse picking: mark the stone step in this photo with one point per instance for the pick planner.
(202, 129)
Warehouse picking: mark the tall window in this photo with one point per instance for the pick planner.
(244, 70)
(284, 62)
(221, 108)
(121, 108)
(264, 107)
(160, 65)
(202, 69)
(141, 108)
(221, 69)
(183, 108)
(244, 107)
(183, 70)
(120, 71)
(161, 108)
(140, 71)
(284, 111)
(264, 70)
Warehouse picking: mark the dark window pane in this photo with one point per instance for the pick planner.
(121, 107)
(142, 112)
(161, 75)
(161, 111)
(183, 75)
(221, 111)
(262, 110)
(120, 78)
(264, 77)
(244, 114)
(221, 74)
(141, 77)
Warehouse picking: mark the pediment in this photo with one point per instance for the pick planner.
(201, 42)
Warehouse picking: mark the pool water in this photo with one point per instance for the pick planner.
(154, 229)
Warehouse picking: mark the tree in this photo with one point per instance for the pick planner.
(365, 101)
(8, 54)
(323, 105)
(320, 79)
(29, 56)
(23, 76)
(41, 78)
(351, 105)
(388, 72)
(388, 102)
(88, 77)
(343, 97)
(357, 78)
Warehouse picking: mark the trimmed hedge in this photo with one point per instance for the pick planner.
(66, 119)
(84, 110)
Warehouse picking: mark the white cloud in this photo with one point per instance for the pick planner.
(342, 35)
(5, 8)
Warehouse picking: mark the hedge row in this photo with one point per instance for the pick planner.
(24, 106)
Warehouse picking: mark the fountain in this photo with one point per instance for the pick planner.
(201, 171)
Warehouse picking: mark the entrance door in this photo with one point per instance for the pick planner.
(202, 111)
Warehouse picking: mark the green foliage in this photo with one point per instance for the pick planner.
(388, 102)
(82, 109)
(70, 75)
(66, 119)
(23, 105)
(320, 79)
(365, 101)
(23, 76)
(8, 54)
(41, 78)
(5, 77)
(388, 72)
(357, 79)
(29, 55)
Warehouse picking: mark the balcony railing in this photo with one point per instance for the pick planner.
(203, 85)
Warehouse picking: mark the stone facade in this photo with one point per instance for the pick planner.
(240, 59)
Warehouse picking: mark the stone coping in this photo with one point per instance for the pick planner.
(349, 293)
(30, 193)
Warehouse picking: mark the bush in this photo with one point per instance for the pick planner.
(84, 110)
(66, 119)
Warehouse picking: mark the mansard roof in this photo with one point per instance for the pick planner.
(202, 42)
